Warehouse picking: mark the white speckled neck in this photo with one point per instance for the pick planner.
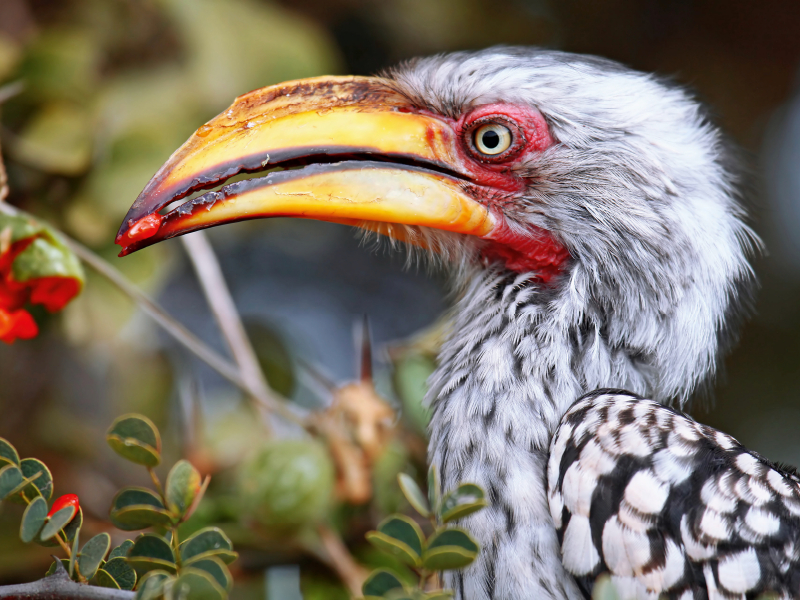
(513, 366)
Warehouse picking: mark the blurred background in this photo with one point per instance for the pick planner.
(112, 87)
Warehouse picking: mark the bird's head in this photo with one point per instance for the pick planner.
(606, 188)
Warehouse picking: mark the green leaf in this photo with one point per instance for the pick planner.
(413, 494)
(394, 547)
(434, 487)
(453, 536)
(138, 508)
(57, 522)
(447, 557)
(152, 585)
(194, 584)
(42, 484)
(33, 519)
(403, 529)
(381, 581)
(217, 569)
(208, 542)
(183, 485)
(439, 595)
(103, 579)
(151, 552)
(92, 554)
(400, 536)
(451, 548)
(8, 454)
(70, 531)
(11, 481)
(464, 500)
(118, 568)
(136, 439)
(121, 550)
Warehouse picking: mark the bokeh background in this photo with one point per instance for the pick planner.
(112, 87)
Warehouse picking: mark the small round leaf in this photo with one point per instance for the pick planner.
(121, 550)
(453, 536)
(209, 541)
(194, 584)
(380, 582)
(121, 571)
(92, 554)
(133, 518)
(403, 529)
(414, 495)
(183, 485)
(135, 438)
(70, 531)
(103, 579)
(394, 547)
(8, 454)
(151, 552)
(42, 484)
(33, 519)
(217, 569)
(57, 522)
(464, 500)
(462, 510)
(11, 480)
(138, 508)
(152, 585)
(451, 548)
(447, 557)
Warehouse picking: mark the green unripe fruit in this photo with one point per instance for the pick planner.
(288, 484)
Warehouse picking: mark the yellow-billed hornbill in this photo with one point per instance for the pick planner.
(589, 216)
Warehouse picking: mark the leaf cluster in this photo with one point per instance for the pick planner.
(197, 567)
(446, 548)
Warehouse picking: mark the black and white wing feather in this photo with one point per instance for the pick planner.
(668, 507)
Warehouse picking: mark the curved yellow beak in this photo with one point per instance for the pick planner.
(349, 150)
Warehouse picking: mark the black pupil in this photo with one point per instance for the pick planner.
(490, 139)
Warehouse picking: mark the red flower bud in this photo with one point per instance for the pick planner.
(16, 324)
(35, 268)
(67, 500)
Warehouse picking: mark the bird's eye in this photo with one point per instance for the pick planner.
(492, 139)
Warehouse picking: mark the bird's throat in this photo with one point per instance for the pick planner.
(531, 251)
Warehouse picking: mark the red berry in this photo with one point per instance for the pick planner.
(67, 500)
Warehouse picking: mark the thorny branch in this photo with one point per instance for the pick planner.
(59, 586)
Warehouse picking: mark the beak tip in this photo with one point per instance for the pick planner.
(132, 236)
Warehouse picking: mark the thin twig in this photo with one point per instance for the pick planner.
(170, 325)
(339, 558)
(209, 273)
(6, 92)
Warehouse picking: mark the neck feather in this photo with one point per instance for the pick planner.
(515, 361)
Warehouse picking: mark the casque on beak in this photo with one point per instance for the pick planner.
(352, 151)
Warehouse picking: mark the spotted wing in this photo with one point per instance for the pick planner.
(668, 506)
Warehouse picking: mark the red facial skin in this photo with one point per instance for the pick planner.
(533, 250)
(67, 500)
